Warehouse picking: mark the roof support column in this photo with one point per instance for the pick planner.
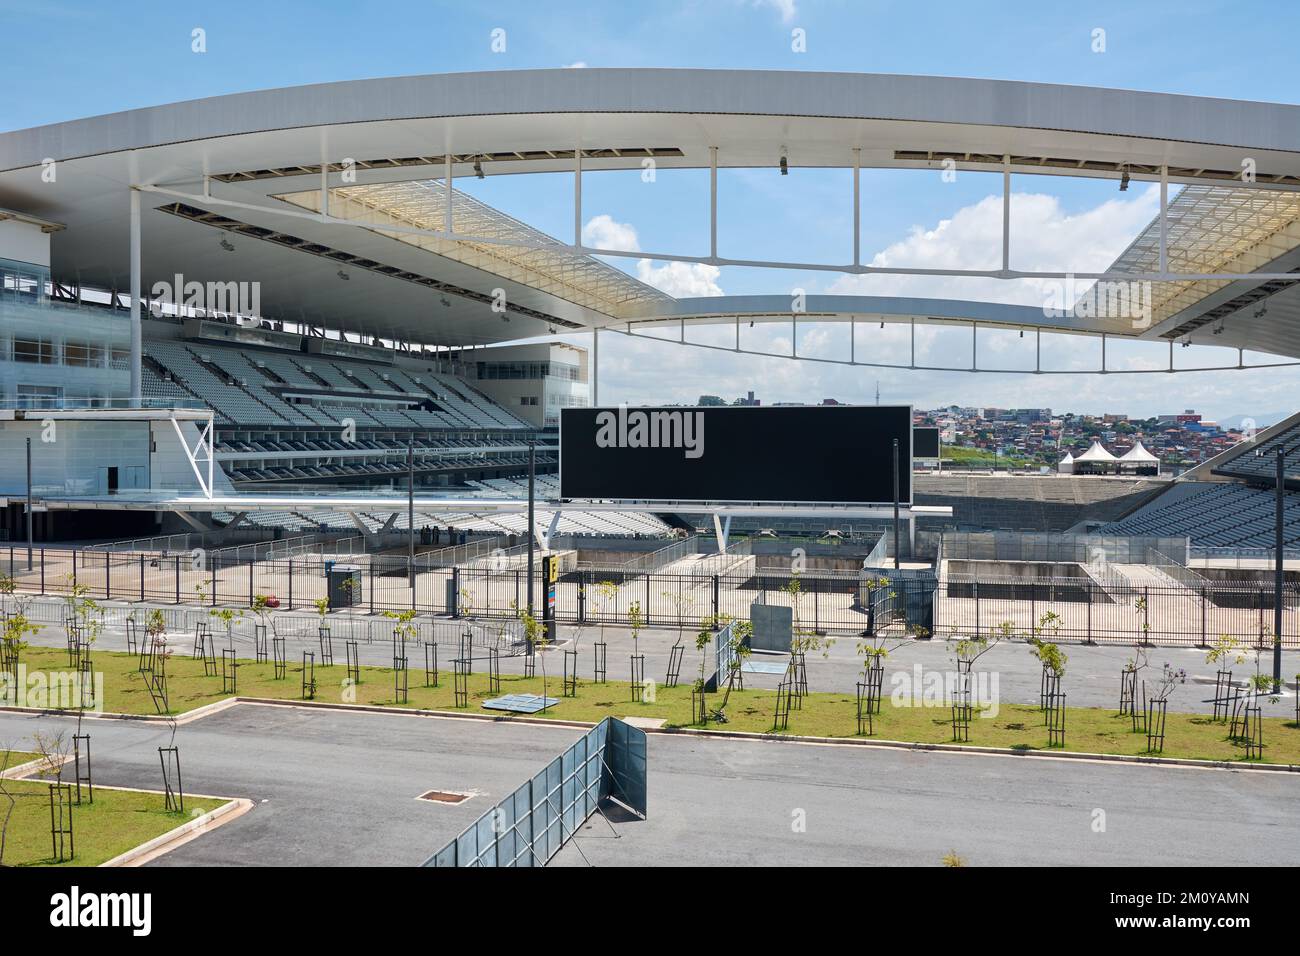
(577, 196)
(857, 205)
(1006, 213)
(595, 366)
(446, 178)
(713, 202)
(137, 395)
(1164, 222)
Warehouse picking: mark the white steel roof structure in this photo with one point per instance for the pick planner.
(547, 264)
(1213, 229)
(195, 188)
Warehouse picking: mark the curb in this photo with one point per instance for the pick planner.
(198, 713)
(414, 712)
(1136, 760)
(23, 770)
(166, 842)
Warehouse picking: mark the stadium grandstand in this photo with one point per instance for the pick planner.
(1228, 505)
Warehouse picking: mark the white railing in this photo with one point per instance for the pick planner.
(655, 560)
(161, 544)
(1178, 572)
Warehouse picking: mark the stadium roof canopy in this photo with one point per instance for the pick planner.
(232, 189)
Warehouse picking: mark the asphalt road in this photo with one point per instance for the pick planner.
(328, 788)
(733, 803)
(334, 788)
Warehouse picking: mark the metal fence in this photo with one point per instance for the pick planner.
(1242, 557)
(1189, 613)
(530, 826)
(505, 635)
(1054, 546)
(1081, 609)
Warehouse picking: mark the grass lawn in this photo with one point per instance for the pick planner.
(16, 758)
(117, 821)
(1094, 730)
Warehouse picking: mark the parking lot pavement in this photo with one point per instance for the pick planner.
(732, 803)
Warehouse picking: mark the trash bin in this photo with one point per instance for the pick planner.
(343, 584)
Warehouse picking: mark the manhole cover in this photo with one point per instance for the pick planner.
(444, 796)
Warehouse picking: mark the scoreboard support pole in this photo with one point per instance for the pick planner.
(721, 530)
(895, 504)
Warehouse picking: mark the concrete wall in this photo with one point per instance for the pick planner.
(73, 457)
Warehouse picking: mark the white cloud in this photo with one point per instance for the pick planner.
(1044, 237)
(786, 8)
(578, 65)
(678, 279)
(603, 232)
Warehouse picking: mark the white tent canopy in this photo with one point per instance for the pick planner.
(1138, 453)
(1096, 453)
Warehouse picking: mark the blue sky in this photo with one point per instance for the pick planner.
(66, 59)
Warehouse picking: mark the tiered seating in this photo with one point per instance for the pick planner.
(289, 520)
(575, 522)
(1258, 460)
(294, 467)
(1216, 515)
(232, 403)
(155, 387)
(259, 375)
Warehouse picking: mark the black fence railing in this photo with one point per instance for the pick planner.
(1072, 609)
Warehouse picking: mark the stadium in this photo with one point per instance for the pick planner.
(366, 332)
(269, 349)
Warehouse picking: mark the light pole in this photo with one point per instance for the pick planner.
(1279, 507)
(29, 503)
(410, 516)
(532, 475)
